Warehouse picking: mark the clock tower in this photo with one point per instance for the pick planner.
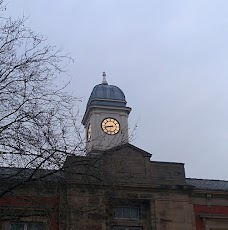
(106, 118)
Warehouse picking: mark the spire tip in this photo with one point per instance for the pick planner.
(104, 82)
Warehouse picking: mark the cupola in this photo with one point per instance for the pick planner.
(106, 117)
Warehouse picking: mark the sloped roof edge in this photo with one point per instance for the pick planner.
(208, 184)
(127, 145)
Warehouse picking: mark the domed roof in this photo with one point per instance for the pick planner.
(107, 95)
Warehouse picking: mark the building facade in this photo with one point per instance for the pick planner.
(115, 186)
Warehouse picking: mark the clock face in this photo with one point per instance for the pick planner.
(110, 126)
(89, 133)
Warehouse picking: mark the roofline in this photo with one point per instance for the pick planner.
(123, 146)
(206, 179)
(206, 189)
(105, 99)
(168, 162)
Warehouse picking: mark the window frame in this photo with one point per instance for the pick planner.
(26, 224)
(130, 211)
(127, 228)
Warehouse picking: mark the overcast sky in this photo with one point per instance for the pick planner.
(169, 57)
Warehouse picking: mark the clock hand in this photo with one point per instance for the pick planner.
(109, 126)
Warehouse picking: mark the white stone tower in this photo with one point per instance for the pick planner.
(106, 118)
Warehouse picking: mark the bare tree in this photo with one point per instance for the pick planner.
(38, 128)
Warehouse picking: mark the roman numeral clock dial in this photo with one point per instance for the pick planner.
(110, 126)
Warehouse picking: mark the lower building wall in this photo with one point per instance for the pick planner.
(174, 215)
(158, 210)
(29, 209)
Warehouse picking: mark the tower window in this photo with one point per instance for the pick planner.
(126, 212)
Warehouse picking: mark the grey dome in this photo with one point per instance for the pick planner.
(107, 95)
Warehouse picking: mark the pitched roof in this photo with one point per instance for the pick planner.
(206, 184)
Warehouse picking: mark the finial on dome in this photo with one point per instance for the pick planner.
(104, 82)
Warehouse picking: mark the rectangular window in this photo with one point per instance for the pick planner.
(126, 213)
(26, 226)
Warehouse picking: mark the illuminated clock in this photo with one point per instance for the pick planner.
(110, 126)
(89, 133)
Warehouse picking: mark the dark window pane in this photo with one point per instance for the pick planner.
(134, 213)
(119, 213)
(26, 226)
(35, 226)
(17, 226)
(126, 212)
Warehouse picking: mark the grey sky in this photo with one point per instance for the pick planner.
(170, 59)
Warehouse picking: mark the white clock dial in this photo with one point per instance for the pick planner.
(110, 126)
